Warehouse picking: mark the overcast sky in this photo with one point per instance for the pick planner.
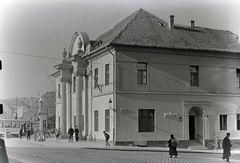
(33, 33)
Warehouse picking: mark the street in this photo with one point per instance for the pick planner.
(22, 151)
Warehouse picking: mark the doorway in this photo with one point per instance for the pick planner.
(191, 127)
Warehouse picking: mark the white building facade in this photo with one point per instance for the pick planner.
(146, 79)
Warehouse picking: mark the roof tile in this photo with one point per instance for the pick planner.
(144, 29)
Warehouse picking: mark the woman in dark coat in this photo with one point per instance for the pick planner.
(172, 144)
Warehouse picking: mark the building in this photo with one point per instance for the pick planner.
(47, 111)
(147, 78)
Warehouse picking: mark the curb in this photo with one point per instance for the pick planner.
(152, 150)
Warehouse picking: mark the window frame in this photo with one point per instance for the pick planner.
(238, 121)
(146, 123)
(223, 122)
(238, 77)
(96, 78)
(96, 120)
(142, 73)
(107, 120)
(74, 84)
(107, 74)
(194, 76)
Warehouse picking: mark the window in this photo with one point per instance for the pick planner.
(59, 122)
(194, 73)
(59, 89)
(107, 120)
(142, 73)
(238, 77)
(74, 84)
(238, 121)
(146, 120)
(223, 122)
(96, 78)
(95, 120)
(107, 74)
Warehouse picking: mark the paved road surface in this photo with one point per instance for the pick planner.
(64, 152)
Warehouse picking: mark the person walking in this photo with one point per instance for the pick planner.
(106, 138)
(172, 144)
(76, 133)
(70, 133)
(57, 132)
(29, 134)
(217, 143)
(20, 133)
(226, 145)
(3, 152)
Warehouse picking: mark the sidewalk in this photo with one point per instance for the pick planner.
(100, 145)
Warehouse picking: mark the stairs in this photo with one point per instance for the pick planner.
(196, 145)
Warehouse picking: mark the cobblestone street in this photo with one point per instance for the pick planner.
(64, 152)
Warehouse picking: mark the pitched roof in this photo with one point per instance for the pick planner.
(144, 29)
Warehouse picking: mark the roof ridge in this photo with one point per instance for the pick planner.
(135, 14)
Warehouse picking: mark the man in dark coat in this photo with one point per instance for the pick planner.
(21, 133)
(70, 133)
(29, 134)
(3, 152)
(76, 133)
(226, 145)
(172, 144)
(106, 138)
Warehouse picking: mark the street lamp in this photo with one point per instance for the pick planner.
(110, 104)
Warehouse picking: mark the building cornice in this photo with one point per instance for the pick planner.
(190, 52)
(181, 93)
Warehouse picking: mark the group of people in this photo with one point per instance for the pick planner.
(226, 145)
(71, 131)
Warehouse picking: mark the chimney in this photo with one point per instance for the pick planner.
(192, 24)
(171, 22)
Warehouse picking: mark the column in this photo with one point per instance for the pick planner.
(79, 79)
(63, 107)
(70, 122)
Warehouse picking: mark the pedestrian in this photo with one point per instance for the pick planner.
(106, 138)
(217, 143)
(3, 152)
(172, 144)
(20, 133)
(8, 134)
(57, 135)
(226, 145)
(36, 133)
(29, 134)
(76, 133)
(70, 133)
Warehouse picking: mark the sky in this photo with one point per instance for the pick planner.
(33, 33)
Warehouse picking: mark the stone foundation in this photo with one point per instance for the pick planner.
(182, 143)
(210, 144)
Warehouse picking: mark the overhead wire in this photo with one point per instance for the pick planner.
(29, 55)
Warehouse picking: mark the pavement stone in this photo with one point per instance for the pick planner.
(90, 151)
(100, 145)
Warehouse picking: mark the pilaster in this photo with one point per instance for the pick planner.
(79, 72)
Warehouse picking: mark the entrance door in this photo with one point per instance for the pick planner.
(191, 127)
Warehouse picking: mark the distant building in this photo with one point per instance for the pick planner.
(147, 78)
(18, 107)
(48, 109)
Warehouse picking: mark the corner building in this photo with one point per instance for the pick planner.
(147, 78)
